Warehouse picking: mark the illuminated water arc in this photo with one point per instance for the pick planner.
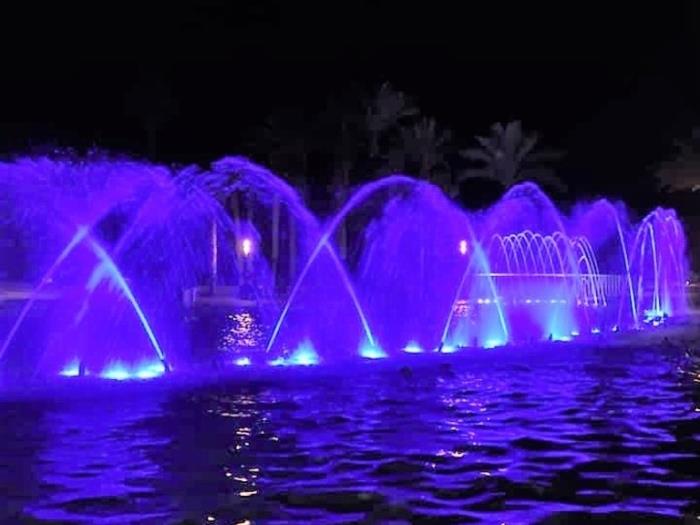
(72, 244)
(355, 200)
(478, 252)
(119, 279)
(655, 260)
(628, 274)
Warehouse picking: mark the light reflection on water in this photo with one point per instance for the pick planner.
(507, 437)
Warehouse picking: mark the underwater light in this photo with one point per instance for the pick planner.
(559, 338)
(242, 361)
(305, 355)
(447, 349)
(413, 348)
(116, 372)
(150, 370)
(72, 369)
(370, 351)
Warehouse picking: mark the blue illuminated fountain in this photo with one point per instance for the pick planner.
(111, 268)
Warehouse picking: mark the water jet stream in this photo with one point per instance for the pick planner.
(354, 201)
(72, 244)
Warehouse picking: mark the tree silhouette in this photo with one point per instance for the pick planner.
(683, 171)
(152, 102)
(383, 113)
(508, 156)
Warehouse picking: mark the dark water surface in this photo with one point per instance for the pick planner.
(557, 435)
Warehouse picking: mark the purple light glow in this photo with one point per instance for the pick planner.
(155, 260)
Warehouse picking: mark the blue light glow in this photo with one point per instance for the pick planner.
(149, 370)
(369, 351)
(116, 371)
(413, 348)
(72, 369)
(119, 371)
(305, 355)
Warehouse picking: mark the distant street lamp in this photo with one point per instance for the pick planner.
(246, 247)
(463, 247)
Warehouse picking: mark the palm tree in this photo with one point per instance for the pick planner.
(509, 156)
(151, 101)
(383, 113)
(683, 171)
(285, 144)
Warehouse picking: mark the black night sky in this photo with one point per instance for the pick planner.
(613, 86)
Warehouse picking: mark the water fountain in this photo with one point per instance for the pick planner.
(114, 268)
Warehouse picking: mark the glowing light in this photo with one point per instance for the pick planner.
(72, 369)
(654, 316)
(246, 246)
(242, 361)
(370, 351)
(492, 343)
(448, 349)
(553, 337)
(413, 348)
(574, 333)
(463, 247)
(149, 370)
(595, 330)
(116, 371)
(305, 355)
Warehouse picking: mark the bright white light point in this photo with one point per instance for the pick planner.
(448, 349)
(211, 519)
(242, 361)
(247, 246)
(595, 330)
(463, 247)
(413, 348)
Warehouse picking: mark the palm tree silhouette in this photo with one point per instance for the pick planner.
(509, 156)
(383, 113)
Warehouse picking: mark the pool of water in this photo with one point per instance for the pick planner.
(556, 435)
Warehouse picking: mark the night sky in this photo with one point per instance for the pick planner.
(613, 86)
